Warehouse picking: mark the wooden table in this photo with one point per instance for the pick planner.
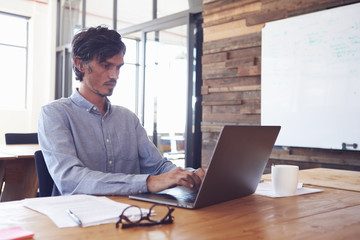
(18, 171)
(331, 214)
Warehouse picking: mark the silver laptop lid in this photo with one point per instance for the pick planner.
(237, 164)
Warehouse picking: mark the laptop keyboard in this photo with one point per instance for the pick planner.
(182, 194)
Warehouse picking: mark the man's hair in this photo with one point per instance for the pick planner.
(99, 42)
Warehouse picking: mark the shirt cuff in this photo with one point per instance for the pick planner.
(141, 186)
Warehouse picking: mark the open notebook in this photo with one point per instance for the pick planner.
(234, 171)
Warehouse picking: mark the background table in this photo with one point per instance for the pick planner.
(327, 177)
(18, 171)
(331, 214)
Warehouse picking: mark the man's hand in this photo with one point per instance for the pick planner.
(176, 177)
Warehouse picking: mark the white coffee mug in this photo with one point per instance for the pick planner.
(284, 179)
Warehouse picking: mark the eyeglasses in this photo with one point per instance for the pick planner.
(132, 216)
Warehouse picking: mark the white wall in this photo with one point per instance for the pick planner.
(41, 72)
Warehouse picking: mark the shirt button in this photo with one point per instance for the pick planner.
(94, 108)
(107, 140)
(110, 162)
(140, 191)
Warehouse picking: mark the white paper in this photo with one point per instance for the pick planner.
(266, 189)
(89, 209)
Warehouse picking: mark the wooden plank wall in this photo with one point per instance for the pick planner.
(231, 61)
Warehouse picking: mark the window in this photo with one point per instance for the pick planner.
(99, 13)
(165, 7)
(70, 18)
(125, 92)
(166, 89)
(13, 61)
(130, 13)
(169, 84)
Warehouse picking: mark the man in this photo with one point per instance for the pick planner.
(93, 147)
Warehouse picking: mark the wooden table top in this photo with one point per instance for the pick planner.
(331, 214)
(19, 150)
(6, 156)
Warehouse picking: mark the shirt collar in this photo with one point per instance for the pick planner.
(85, 104)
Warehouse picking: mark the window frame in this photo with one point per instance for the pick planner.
(26, 47)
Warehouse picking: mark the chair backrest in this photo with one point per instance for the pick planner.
(46, 183)
(21, 138)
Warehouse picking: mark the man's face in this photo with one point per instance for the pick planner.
(101, 78)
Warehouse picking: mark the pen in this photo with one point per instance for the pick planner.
(74, 217)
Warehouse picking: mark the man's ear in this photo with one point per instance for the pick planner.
(78, 63)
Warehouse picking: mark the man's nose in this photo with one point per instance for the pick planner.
(114, 73)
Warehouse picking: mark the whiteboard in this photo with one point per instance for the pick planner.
(310, 78)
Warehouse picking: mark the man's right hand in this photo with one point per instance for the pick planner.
(176, 177)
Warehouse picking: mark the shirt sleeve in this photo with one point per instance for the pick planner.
(151, 160)
(72, 176)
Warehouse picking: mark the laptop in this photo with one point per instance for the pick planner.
(235, 169)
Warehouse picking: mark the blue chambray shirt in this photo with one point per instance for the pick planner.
(87, 153)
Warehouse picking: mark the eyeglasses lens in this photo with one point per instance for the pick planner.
(158, 213)
(133, 214)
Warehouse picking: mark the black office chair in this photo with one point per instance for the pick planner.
(21, 138)
(46, 182)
